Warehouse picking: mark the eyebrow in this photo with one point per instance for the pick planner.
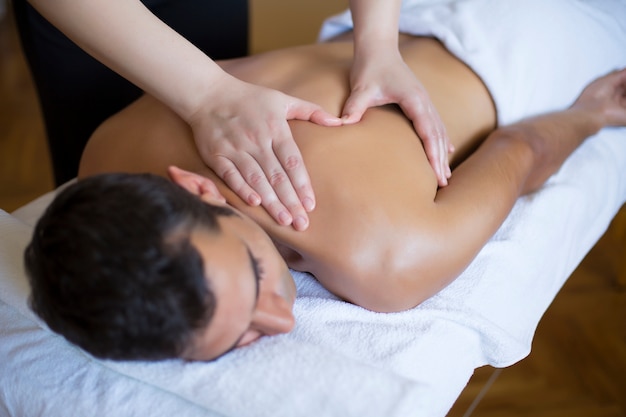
(254, 264)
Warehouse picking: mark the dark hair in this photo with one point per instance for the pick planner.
(112, 269)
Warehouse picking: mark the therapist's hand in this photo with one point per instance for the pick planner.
(243, 135)
(382, 77)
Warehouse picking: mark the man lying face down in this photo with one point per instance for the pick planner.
(120, 266)
(137, 267)
(133, 266)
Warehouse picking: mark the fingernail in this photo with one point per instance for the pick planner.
(300, 223)
(308, 204)
(284, 218)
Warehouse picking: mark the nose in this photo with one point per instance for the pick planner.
(273, 315)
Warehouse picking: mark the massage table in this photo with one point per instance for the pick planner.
(342, 360)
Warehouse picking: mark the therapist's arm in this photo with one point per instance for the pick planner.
(240, 129)
(380, 76)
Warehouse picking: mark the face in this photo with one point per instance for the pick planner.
(253, 287)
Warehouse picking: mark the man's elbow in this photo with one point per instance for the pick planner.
(393, 293)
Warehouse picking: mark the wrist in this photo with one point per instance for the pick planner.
(196, 97)
(375, 21)
(591, 118)
(378, 51)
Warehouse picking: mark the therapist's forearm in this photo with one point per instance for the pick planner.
(125, 36)
(375, 24)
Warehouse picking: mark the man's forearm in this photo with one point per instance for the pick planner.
(517, 159)
(552, 138)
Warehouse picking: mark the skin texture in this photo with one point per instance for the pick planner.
(383, 235)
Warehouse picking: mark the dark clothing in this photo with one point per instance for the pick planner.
(77, 93)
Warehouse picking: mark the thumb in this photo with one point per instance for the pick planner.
(304, 110)
(355, 107)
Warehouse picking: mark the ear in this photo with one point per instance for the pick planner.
(196, 184)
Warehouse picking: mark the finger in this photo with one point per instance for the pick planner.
(230, 174)
(263, 172)
(248, 179)
(291, 160)
(355, 107)
(431, 131)
(287, 209)
(437, 152)
(287, 176)
(304, 110)
(433, 149)
(272, 203)
(441, 156)
(264, 175)
(289, 156)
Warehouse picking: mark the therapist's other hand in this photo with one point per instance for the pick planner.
(242, 134)
(382, 77)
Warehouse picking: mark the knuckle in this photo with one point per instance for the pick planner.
(274, 125)
(277, 178)
(217, 149)
(228, 174)
(292, 162)
(255, 179)
(218, 163)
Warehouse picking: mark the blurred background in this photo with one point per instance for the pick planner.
(578, 364)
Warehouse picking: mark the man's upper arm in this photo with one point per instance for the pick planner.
(451, 230)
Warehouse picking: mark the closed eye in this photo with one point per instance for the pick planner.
(257, 269)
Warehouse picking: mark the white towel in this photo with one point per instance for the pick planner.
(340, 359)
(565, 45)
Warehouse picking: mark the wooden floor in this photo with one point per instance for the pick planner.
(25, 170)
(578, 363)
(577, 367)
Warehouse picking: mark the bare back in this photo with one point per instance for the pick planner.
(376, 217)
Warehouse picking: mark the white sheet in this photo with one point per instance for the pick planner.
(342, 360)
(550, 49)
